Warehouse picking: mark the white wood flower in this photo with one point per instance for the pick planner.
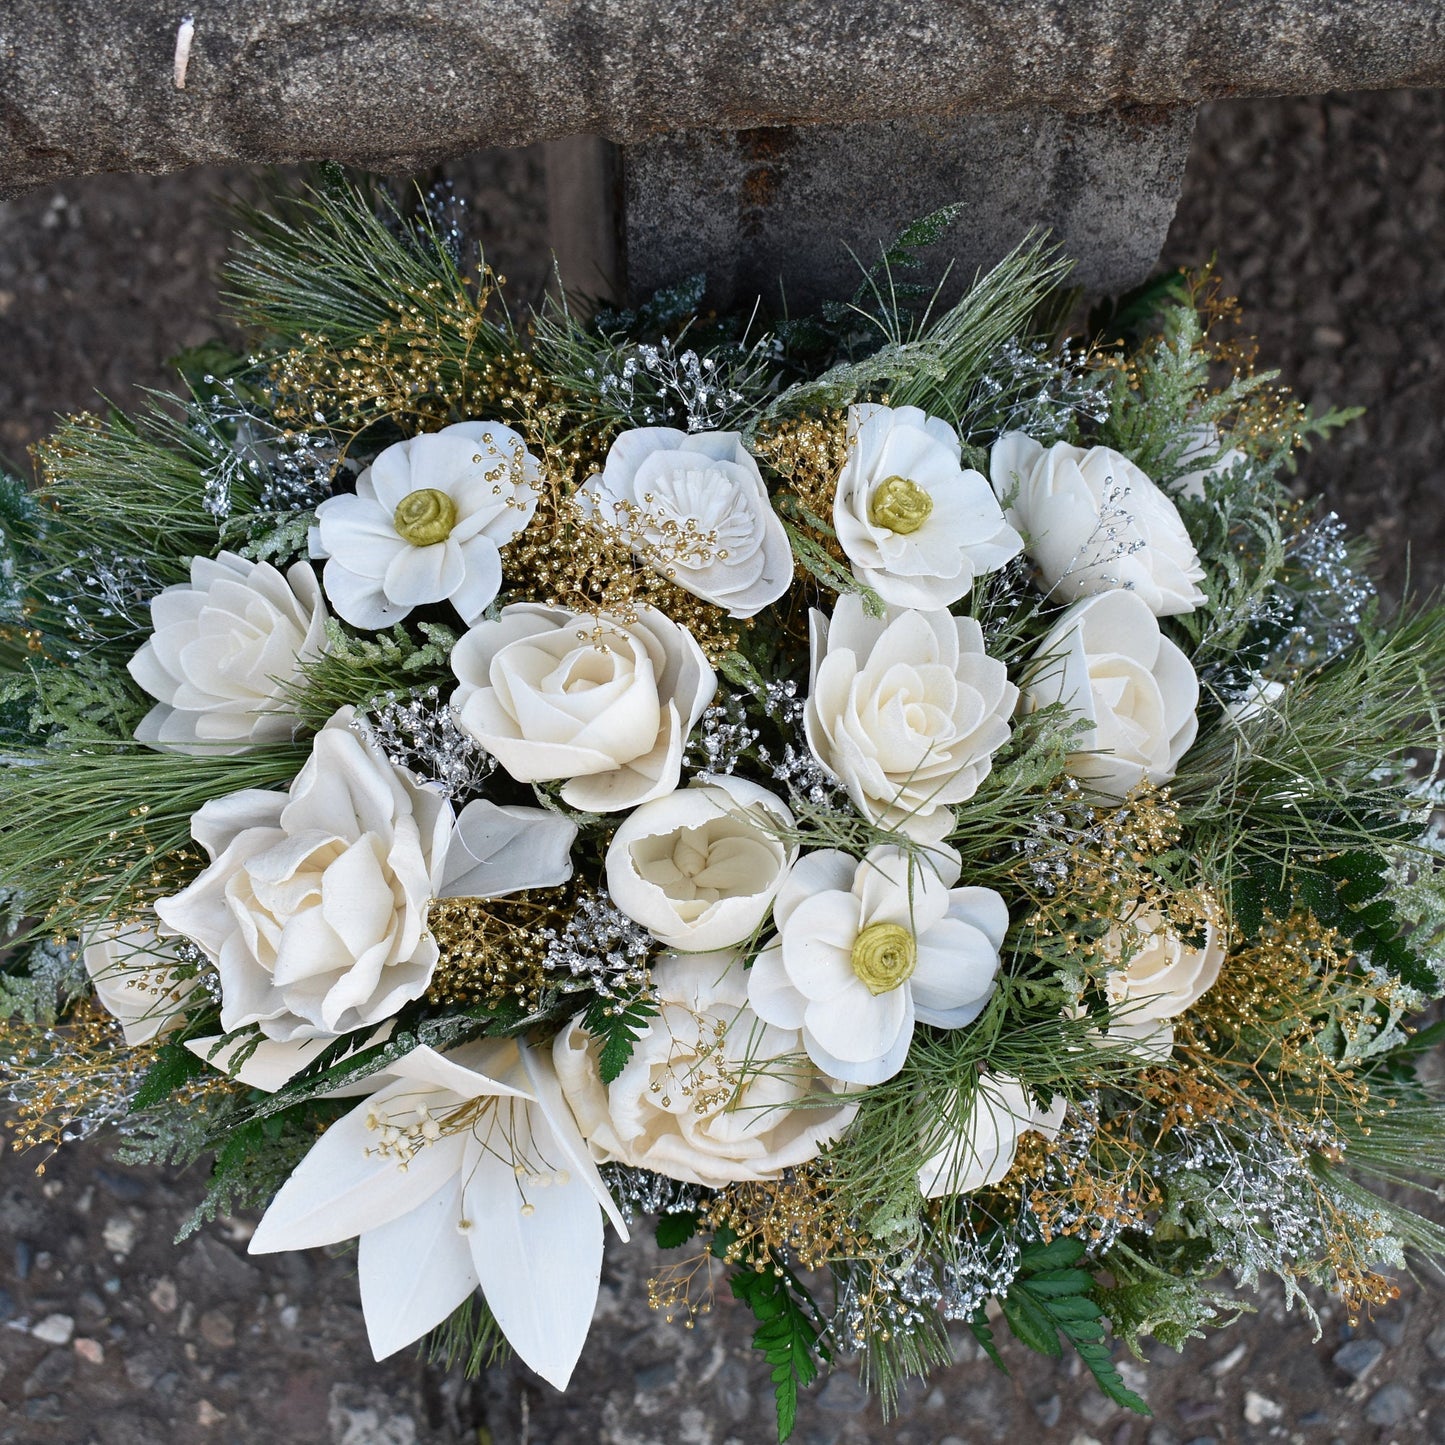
(603, 703)
(916, 524)
(1107, 660)
(700, 867)
(226, 646)
(711, 1094)
(1158, 976)
(136, 979)
(866, 948)
(314, 906)
(463, 1170)
(695, 505)
(906, 711)
(426, 523)
(980, 1149)
(1092, 522)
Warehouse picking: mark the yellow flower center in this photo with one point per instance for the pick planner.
(425, 518)
(884, 955)
(900, 505)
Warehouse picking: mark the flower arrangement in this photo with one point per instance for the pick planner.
(920, 813)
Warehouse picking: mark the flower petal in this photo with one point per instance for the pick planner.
(414, 1271)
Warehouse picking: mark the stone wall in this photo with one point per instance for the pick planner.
(99, 85)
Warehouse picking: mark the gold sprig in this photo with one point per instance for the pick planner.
(492, 949)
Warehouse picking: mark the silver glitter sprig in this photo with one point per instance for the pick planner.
(419, 731)
(639, 1192)
(599, 948)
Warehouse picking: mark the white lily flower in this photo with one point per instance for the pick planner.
(466, 1170)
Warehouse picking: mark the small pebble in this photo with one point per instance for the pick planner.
(1260, 1409)
(1311, 1418)
(7, 1304)
(1193, 1411)
(163, 1295)
(24, 1258)
(1390, 1405)
(55, 1329)
(119, 1235)
(1435, 1342)
(289, 1317)
(1359, 1357)
(111, 1286)
(1392, 1332)
(207, 1414)
(91, 1351)
(650, 1377)
(217, 1330)
(1226, 1363)
(1048, 1410)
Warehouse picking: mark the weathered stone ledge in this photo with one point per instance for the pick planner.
(90, 85)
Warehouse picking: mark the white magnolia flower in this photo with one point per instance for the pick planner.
(466, 1169)
(603, 703)
(1158, 976)
(225, 647)
(695, 505)
(866, 948)
(1204, 445)
(136, 980)
(916, 524)
(699, 868)
(981, 1151)
(1092, 522)
(426, 523)
(315, 903)
(269, 1064)
(906, 711)
(710, 1094)
(1107, 660)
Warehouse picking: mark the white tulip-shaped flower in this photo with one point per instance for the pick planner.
(906, 711)
(465, 1169)
(314, 906)
(1107, 660)
(916, 524)
(694, 504)
(1093, 522)
(425, 524)
(1158, 977)
(135, 977)
(865, 949)
(226, 646)
(980, 1151)
(603, 703)
(699, 868)
(710, 1094)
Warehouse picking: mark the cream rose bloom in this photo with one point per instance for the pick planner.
(314, 905)
(1093, 522)
(1158, 976)
(906, 711)
(136, 980)
(699, 868)
(867, 948)
(603, 703)
(1107, 660)
(981, 1150)
(711, 1095)
(426, 523)
(694, 504)
(916, 524)
(226, 645)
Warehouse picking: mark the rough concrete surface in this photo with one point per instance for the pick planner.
(1328, 218)
(778, 208)
(95, 85)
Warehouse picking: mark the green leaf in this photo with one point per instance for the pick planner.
(789, 1332)
(174, 1065)
(618, 1023)
(674, 1230)
(1049, 1298)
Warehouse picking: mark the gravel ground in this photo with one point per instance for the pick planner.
(1326, 217)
